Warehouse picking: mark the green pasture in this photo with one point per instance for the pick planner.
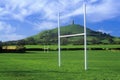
(102, 65)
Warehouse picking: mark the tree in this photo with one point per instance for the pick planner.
(0, 46)
(95, 41)
(30, 41)
(111, 41)
(64, 41)
(117, 40)
(0, 43)
(21, 42)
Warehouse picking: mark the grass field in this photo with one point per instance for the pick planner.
(102, 65)
(73, 46)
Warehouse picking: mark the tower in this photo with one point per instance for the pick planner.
(72, 22)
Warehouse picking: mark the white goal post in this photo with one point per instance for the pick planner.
(72, 35)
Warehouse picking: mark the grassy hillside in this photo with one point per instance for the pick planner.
(93, 37)
(70, 29)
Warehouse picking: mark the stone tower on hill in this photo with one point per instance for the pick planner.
(72, 22)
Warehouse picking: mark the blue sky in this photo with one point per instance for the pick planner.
(22, 18)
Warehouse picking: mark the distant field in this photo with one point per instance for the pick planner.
(102, 65)
(73, 46)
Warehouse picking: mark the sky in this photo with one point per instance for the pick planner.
(23, 18)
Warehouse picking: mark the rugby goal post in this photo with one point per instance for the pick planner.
(72, 35)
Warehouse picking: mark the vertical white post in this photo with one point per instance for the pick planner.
(85, 41)
(59, 54)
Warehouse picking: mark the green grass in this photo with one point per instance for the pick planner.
(73, 46)
(102, 65)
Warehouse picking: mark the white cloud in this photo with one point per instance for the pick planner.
(92, 1)
(20, 9)
(105, 10)
(7, 32)
(6, 28)
(45, 25)
(104, 31)
(12, 36)
(97, 10)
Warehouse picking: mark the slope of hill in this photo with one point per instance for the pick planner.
(50, 36)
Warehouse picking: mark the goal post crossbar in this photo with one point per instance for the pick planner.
(72, 35)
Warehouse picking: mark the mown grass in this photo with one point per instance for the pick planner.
(102, 65)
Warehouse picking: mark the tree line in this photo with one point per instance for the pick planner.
(64, 41)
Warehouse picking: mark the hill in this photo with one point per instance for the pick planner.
(51, 37)
(93, 37)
